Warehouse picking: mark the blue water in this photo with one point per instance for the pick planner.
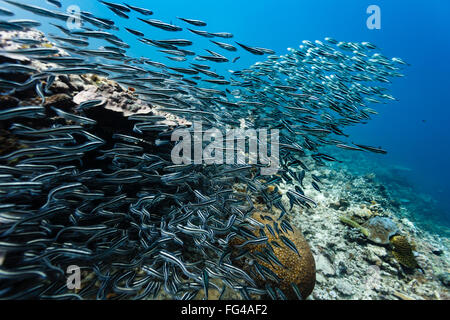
(415, 130)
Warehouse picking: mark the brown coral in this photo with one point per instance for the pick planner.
(300, 270)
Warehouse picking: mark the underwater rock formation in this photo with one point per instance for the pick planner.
(376, 229)
(381, 229)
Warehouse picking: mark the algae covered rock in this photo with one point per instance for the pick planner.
(376, 229)
(380, 229)
(384, 231)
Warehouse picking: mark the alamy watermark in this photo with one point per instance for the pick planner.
(74, 20)
(374, 20)
(73, 277)
(234, 147)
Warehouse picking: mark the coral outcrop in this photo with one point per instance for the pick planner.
(299, 269)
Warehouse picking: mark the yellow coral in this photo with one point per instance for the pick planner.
(403, 252)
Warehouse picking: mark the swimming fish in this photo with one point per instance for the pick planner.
(225, 46)
(197, 23)
(161, 25)
(84, 185)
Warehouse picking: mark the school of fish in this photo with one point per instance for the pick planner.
(115, 205)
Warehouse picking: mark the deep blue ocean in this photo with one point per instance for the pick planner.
(414, 130)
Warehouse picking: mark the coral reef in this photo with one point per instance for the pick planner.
(403, 251)
(380, 229)
(384, 231)
(351, 267)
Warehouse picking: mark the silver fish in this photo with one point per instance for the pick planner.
(197, 23)
(161, 25)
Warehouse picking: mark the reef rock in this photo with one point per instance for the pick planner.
(345, 288)
(380, 229)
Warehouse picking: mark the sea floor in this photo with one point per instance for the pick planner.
(349, 266)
